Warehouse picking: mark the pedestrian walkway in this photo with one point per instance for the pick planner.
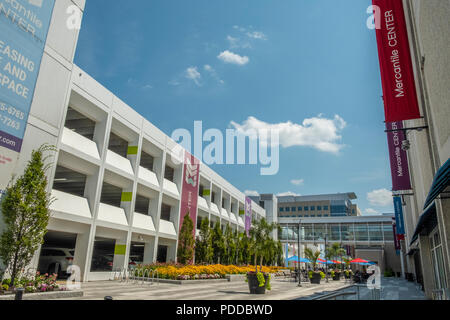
(281, 290)
(391, 289)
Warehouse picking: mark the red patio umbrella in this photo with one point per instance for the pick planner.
(359, 260)
(337, 262)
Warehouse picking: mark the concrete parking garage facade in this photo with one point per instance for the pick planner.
(116, 180)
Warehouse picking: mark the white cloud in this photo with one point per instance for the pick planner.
(251, 193)
(288, 193)
(193, 74)
(257, 35)
(233, 41)
(213, 73)
(319, 133)
(297, 182)
(174, 82)
(380, 197)
(230, 57)
(370, 211)
(238, 43)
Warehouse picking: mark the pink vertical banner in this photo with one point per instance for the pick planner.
(248, 215)
(398, 157)
(189, 189)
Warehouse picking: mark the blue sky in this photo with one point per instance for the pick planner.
(279, 62)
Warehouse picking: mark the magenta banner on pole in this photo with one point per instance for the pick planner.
(189, 190)
(398, 157)
(248, 215)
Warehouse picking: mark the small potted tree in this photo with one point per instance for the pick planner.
(261, 244)
(314, 275)
(348, 273)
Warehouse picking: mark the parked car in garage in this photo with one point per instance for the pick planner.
(55, 260)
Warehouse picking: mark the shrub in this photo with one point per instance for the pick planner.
(261, 280)
(389, 273)
(6, 281)
(5, 287)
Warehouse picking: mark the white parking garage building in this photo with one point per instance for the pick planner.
(115, 179)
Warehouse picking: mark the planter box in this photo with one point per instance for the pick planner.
(337, 277)
(45, 295)
(253, 284)
(316, 278)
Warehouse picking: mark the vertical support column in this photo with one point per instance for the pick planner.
(120, 254)
(149, 252)
(427, 269)
(160, 163)
(81, 247)
(102, 134)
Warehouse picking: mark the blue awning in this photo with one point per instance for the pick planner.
(440, 183)
(427, 222)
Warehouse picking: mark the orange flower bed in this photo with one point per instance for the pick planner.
(191, 272)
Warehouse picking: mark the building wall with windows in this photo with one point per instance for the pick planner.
(429, 148)
(428, 223)
(116, 178)
(366, 237)
(328, 205)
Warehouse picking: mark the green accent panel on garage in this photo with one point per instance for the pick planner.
(126, 196)
(120, 249)
(132, 150)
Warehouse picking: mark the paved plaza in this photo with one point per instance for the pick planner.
(392, 289)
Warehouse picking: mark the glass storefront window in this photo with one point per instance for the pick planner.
(334, 232)
(319, 231)
(375, 233)
(388, 232)
(437, 260)
(361, 232)
(308, 235)
(347, 232)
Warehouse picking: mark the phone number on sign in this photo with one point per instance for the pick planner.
(12, 111)
(10, 122)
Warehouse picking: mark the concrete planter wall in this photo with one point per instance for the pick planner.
(45, 295)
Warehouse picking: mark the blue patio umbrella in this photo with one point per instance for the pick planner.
(366, 263)
(293, 258)
(302, 260)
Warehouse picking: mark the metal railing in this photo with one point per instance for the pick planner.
(372, 294)
(334, 296)
(135, 275)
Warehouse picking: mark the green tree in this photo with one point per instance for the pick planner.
(186, 241)
(239, 240)
(261, 241)
(230, 245)
(218, 243)
(25, 209)
(335, 251)
(203, 248)
(312, 256)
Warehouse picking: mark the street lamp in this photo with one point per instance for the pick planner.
(298, 256)
(326, 260)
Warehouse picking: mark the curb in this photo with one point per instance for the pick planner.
(45, 295)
